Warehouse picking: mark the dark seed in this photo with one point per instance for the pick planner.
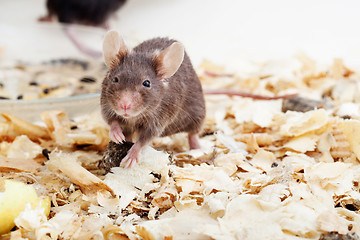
(274, 164)
(73, 127)
(4, 98)
(33, 83)
(157, 175)
(46, 90)
(20, 97)
(83, 146)
(1, 85)
(46, 152)
(88, 80)
(351, 207)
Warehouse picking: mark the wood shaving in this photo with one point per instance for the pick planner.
(262, 172)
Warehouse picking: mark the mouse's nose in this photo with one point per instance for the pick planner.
(125, 105)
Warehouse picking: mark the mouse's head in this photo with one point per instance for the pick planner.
(136, 83)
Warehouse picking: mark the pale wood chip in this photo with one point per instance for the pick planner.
(22, 127)
(69, 166)
(18, 164)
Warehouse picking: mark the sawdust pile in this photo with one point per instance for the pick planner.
(268, 169)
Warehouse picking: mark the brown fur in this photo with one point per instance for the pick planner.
(170, 106)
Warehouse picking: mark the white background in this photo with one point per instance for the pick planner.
(231, 30)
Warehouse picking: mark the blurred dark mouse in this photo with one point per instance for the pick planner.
(95, 13)
(85, 12)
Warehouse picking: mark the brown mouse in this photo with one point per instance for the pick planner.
(150, 91)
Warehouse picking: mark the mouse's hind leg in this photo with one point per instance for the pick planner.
(193, 141)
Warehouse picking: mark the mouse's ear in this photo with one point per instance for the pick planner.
(114, 49)
(168, 61)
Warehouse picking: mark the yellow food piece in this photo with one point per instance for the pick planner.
(14, 196)
(45, 203)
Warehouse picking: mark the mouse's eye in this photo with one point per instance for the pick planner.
(116, 79)
(146, 83)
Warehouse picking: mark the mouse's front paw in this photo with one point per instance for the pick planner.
(131, 158)
(116, 134)
(129, 161)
